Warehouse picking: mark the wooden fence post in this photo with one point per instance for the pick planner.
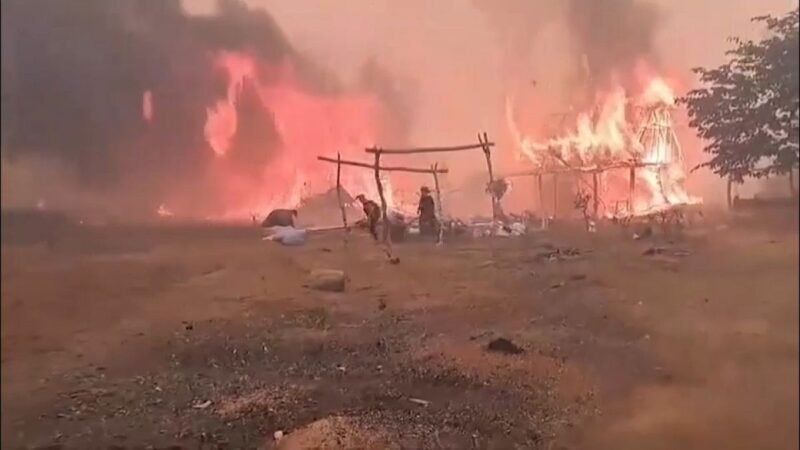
(339, 194)
(595, 198)
(555, 195)
(484, 140)
(631, 188)
(435, 168)
(385, 215)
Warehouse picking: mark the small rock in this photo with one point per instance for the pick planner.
(503, 345)
(327, 280)
(419, 401)
(578, 277)
(278, 435)
(202, 405)
(653, 251)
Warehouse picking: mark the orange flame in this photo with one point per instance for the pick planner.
(608, 137)
(308, 124)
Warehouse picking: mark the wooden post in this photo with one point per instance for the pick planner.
(631, 188)
(438, 201)
(484, 140)
(385, 216)
(595, 199)
(555, 195)
(540, 188)
(339, 193)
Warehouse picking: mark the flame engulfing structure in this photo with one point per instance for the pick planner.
(305, 125)
(634, 133)
(217, 116)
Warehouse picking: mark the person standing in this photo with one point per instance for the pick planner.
(427, 213)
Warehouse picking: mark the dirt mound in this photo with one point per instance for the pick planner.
(334, 433)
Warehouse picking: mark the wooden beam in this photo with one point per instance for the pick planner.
(593, 169)
(631, 188)
(555, 195)
(371, 166)
(539, 187)
(339, 193)
(406, 151)
(384, 207)
(484, 140)
(438, 203)
(595, 197)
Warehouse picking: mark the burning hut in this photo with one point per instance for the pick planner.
(622, 160)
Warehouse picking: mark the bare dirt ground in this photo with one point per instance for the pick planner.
(207, 338)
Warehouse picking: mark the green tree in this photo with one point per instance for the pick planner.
(747, 109)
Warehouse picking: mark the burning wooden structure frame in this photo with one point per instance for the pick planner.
(483, 144)
(653, 147)
(594, 171)
(434, 171)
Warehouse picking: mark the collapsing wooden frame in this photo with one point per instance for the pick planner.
(594, 171)
(434, 170)
(483, 143)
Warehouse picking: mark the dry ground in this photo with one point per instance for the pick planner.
(207, 338)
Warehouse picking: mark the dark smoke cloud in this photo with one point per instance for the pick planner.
(612, 36)
(74, 73)
(518, 24)
(607, 37)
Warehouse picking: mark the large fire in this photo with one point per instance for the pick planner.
(307, 124)
(623, 130)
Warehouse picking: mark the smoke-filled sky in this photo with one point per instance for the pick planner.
(74, 73)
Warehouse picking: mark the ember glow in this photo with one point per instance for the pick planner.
(307, 125)
(622, 130)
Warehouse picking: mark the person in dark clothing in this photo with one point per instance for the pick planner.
(373, 213)
(427, 213)
(280, 218)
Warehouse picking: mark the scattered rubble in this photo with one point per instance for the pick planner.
(560, 254)
(419, 401)
(652, 251)
(202, 405)
(285, 235)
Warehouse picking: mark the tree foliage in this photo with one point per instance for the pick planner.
(747, 110)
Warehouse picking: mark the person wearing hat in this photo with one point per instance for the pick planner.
(427, 213)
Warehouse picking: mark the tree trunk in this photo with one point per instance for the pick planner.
(792, 187)
(730, 200)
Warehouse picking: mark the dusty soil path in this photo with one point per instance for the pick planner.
(208, 337)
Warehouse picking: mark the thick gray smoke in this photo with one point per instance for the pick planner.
(75, 71)
(612, 36)
(605, 39)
